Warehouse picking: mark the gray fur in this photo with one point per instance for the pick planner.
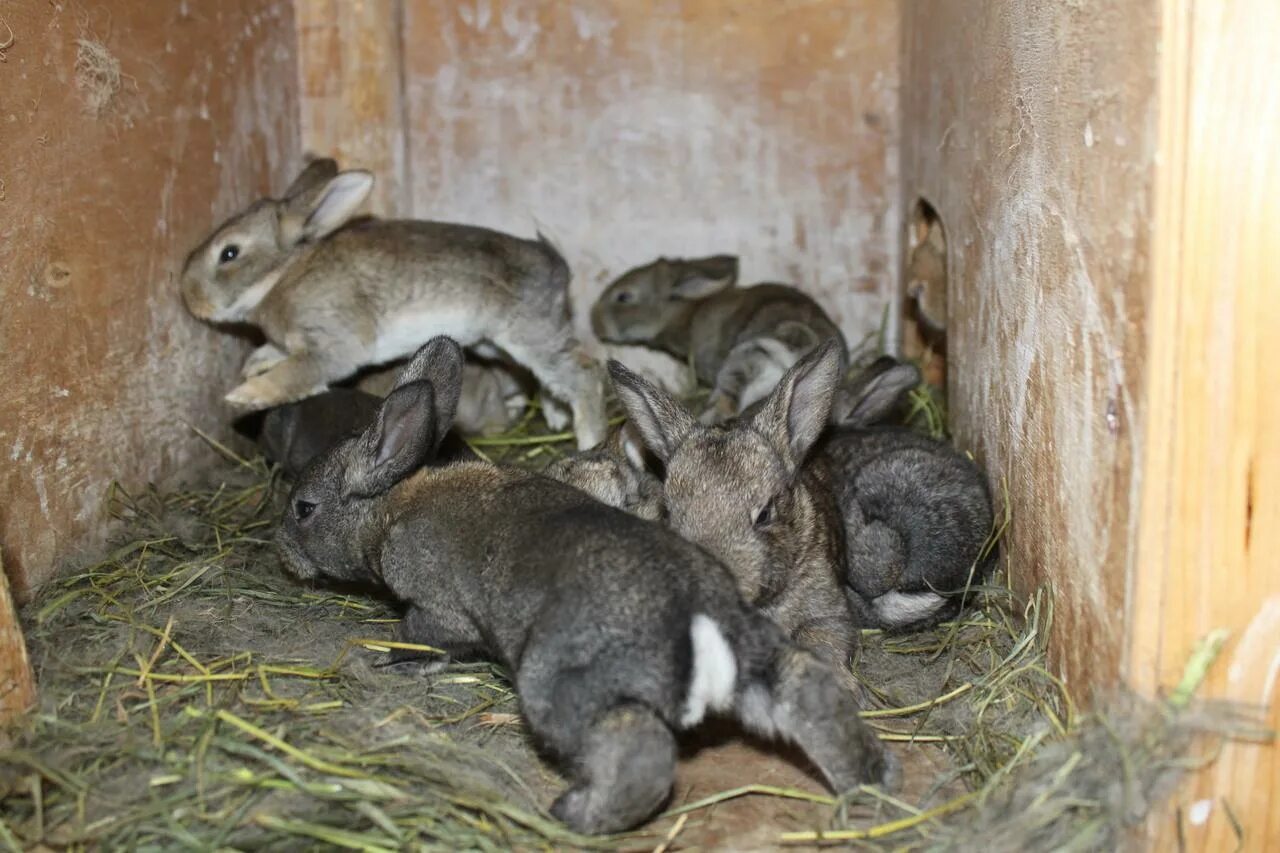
(615, 473)
(739, 340)
(742, 493)
(592, 610)
(897, 517)
(294, 434)
(333, 293)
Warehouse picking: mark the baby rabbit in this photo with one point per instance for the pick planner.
(917, 512)
(616, 632)
(493, 395)
(294, 434)
(740, 340)
(744, 493)
(333, 294)
(615, 473)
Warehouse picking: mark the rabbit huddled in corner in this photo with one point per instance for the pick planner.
(615, 473)
(294, 434)
(740, 340)
(917, 512)
(898, 518)
(744, 493)
(616, 632)
(333, 293)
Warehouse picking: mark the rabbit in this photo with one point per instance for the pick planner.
(927, 282)
(739, 340)
(494, 395)
(743, 492)
(294, 434)
(917, 512)
(333, 294)
(615, 473)
(616, 632)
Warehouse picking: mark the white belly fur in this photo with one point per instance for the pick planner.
(406, 332)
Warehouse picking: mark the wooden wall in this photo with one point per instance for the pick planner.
(127, 130)
(628, 130)
(1106, 175)
(1034, 139)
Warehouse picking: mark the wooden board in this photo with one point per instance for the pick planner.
(1209, 553)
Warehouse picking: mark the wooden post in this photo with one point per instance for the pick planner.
(350, 60)
(1209, 544)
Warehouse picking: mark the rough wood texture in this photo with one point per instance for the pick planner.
(1033, 137)
(627, 130)
(350, 76)
(1211, 485)
(103, 370)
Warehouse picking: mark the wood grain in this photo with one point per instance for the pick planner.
(1210, 537)
(350, 68)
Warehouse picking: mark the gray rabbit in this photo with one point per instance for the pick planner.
(897, 517)
(615, 473)
(739, 340)
(616, 632)
(333, 293)
(294, 434)
(744, 493)
(917, 512)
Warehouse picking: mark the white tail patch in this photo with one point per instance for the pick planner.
(714, 671)
(900, 608)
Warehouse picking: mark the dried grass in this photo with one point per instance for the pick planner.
(194, 696)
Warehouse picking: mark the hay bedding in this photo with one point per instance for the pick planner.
(193, 696)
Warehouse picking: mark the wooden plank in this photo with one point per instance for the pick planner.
(1210, 520)
(350, 69)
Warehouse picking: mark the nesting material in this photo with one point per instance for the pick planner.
(193, 695)
(98, 77)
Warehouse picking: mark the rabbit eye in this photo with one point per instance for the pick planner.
(764, 517)
(303, 509)
(229, 253)
(622, 297)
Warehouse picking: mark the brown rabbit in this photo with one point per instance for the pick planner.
(739, 340)
(333, 294)
(616, 473)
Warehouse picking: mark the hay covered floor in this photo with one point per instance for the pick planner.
(194, 696)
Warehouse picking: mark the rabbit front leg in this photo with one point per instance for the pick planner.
(455, 641)
(261, 360)
(749, 374)
(569, 374)
(296, 377)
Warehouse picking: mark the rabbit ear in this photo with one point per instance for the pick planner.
(312, 177)
(703, 277)
(322, 209)
(440, 363)
(663, 423)
(876, 391)
(401, 441)
(796, 413)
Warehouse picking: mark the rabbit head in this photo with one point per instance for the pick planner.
(615, 473)
(338, 506)
(734, 490)
(227, 275)
(646, 300)
(874, 394)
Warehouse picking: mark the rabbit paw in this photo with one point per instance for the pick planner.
(556, 414)
(261, 360)
(260, 392)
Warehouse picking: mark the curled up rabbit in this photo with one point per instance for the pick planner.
(739, 340)
(917, 512)
(616, 632)
(333, 293)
